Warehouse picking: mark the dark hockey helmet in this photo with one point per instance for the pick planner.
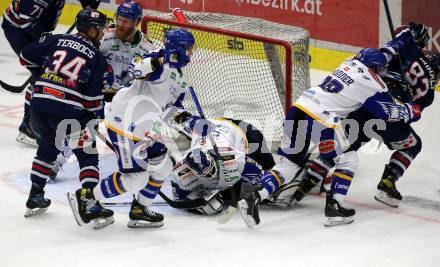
(202, 163)
(420, 34)
(88, 18)
(372, 58)
(130, 9)
(179, 38)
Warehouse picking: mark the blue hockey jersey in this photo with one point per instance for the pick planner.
(71, 75)
(34, 16)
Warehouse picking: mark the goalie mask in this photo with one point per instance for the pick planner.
(202, 163)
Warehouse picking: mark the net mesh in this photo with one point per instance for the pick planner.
(242, 77)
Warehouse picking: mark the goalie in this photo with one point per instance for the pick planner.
(242, 156)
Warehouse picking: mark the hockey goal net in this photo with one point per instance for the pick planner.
(242, 68)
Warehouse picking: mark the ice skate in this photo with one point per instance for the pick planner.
(248, 205)
(336, 214)
(388, 193)
(26, 134)
(86, 208)
(36, 203)
(142, 217)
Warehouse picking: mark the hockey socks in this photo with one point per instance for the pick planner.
(40, 172)
(109, 187)
(149, 192)
(270, 182)
(341, 182)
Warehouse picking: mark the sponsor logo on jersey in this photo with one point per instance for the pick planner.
(53, 92)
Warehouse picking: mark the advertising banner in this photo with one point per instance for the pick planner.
(338, 21)
(426, 12)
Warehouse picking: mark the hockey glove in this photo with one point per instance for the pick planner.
(414, 112)
(199, 126)
(176, 58)
(108, 78)
(181, 117)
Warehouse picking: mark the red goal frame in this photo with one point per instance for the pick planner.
(285, 44)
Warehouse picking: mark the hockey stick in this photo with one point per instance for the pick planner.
(183, 204)
(393, 36)
(20, 88)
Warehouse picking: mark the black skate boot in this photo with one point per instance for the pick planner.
(36, 202)
(248, 204)
(86, 208)
(26, 133)
(336, 214)
(388, 193)
(142, 217)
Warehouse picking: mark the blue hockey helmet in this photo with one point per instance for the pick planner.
(372, 58)
(88, 18)
(179, 38)
(130, 9)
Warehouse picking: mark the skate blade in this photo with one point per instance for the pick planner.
(71, 197)
(383, 198)
(24, 139)
(249, 220)
(333, 221)
(143, 224)
(102, 222)
(227, 215)
(32, 212)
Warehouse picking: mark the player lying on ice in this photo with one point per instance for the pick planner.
(418, 88)
(133, 125)
(242, 155)
(315, 118)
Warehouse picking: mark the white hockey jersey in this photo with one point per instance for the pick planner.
(137, 111)
(348, 88)
(119, 54)
(232, 145)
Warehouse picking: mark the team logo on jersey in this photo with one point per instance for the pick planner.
(117, 119)
(115, 47)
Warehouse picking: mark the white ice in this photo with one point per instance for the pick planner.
(379, 236)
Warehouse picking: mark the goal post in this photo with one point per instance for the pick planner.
(243, 68)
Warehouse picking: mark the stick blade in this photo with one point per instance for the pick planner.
(13, 89)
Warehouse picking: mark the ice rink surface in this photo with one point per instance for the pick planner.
(379, 236)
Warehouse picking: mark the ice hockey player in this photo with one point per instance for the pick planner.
(242, 155)
(315, 118)
(415, 37)
(122, 44)
(399, 136)
(23, 23)
(71, 77)
(119, 45)
(133, 124)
